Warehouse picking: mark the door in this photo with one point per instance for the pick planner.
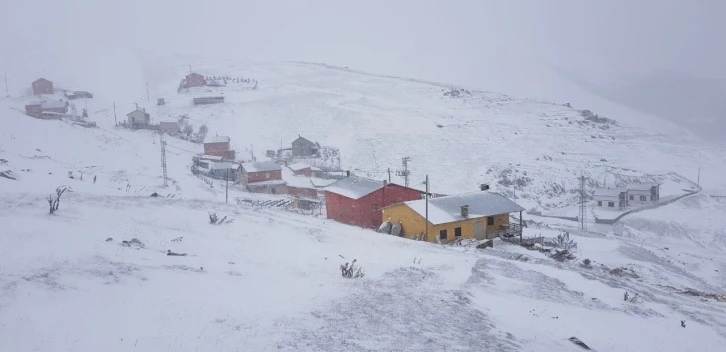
(479, 231)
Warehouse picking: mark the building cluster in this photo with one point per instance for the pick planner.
(633, 194)
(51, 106)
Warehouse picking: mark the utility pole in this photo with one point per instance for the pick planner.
(226, 187)
(147, 91)
(698, 183)
(163, 157)
(583, 205)
(427, 207)
(114, 113)
(404, 173)
(7, 94)
(389, 175)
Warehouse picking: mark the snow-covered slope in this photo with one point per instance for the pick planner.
(270, 280)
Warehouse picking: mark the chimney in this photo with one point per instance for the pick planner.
(385, 183)
(465, 211)
(347, 173)
(484, 186)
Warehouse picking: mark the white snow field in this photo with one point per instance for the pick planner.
(270, 280)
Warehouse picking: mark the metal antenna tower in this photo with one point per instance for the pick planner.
(163, 157)
(583, 205)
(405, 173)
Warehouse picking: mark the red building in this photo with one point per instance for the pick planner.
(42, 86)
(55, 106)
(33, 109)
(195, 80)
(358, 201)
(218, 146)
(262, 177)
(302, 192)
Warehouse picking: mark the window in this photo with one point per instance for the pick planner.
(457, 232)
(643, 198)
(611, 204)
(443, 235)
(599, 203)
(632, 197)
(374, 206)
(490, 220)
(267, 175)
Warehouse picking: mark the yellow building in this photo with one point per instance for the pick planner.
(477, 215)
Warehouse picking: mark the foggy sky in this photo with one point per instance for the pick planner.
(494, 45)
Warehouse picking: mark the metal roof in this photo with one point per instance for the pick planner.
(298, 166)
(354, 187)
(609, 192)
(447, 209)
(261, 166)
(221, 166)
(216, 139)
(642, 186)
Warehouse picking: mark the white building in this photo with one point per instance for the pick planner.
(611, 197)
(643, 192)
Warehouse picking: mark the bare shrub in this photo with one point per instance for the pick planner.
(213, 218)
(351, 271)
(562, 255)
(586, 263)
(54, 201)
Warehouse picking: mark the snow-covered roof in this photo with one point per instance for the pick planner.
(609, 192)
(354, 187)
(261, 166)
(313, 168)
(298, 166)
(267, 183)
(447, 209)
(305, 182)
(642, 186)
(53, 104)
(221, 166)
(210, 157)
(216, 139)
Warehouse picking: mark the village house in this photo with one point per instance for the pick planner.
(358, 201)
(42, 86)
(477, 215)
(303, 186)
(170, 128)
(219, 146)
(304, 147)
(138, 119)
(643, 192)
(611, 197)
(262, 177)
(194, 80)
(223, 171)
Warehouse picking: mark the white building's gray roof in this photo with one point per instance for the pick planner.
(221, 166)
(609, 192)
(216, 139)
(447, 209)
(261, 166)
(354, 187)
(137, 112)
(642, 186)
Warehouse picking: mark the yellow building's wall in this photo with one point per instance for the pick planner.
(414, 226)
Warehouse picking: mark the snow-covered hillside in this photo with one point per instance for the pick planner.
(270, 280)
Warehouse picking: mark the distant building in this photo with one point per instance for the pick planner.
(170, 128)
(304, 147)
(42, 86)
(477, 215)
(300, 169)
(219, 146)
(34, 109)
(138, 119)
(223, 171)
(208, 100)
(611, 197)
(358, 201)
(643, 192)
(79, 94)
(262, 177)
(194, 80)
